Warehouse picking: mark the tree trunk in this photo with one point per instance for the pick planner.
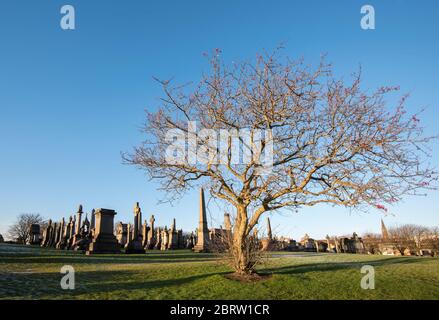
(240, 246)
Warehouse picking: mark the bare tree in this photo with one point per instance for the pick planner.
(372, 242)
(19, 231)
(409, 236)
(432, 240)
(331, 142)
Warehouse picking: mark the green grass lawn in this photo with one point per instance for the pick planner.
(34, 273)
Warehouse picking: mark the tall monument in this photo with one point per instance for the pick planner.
(384, 232)
(77, 235)
(135, 245)
(269, 233)
(92, 223)
(173, 236)
(151, 234)
(203, 232)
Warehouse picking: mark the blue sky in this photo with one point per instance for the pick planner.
(71, 101)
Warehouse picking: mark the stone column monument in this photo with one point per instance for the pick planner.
(129, 236)
(328, 242)
(104, 240)
(165, 239)
(203, 232)
(92, 223)
(135, 246)
(139, 222)
(158, 240)
(51, 241)
(145, 234)
(72, 224)
(151, 233)
(77, 235)
(173, 237)
(65, 236)
(47, 234)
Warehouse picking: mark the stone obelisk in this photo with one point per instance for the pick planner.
(203, 232)
(269, 233)
(384, 232)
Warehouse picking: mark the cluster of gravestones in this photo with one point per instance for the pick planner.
(138, 237)
(72, 235)
(97, 235)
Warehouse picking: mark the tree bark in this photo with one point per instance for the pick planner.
(240, 246)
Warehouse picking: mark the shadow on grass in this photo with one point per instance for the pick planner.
(119, 284)
(32, 255)
(104, 260)
(37, 285)
(334, 266)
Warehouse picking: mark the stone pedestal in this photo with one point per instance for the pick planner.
(133, 245)
(104, 240)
